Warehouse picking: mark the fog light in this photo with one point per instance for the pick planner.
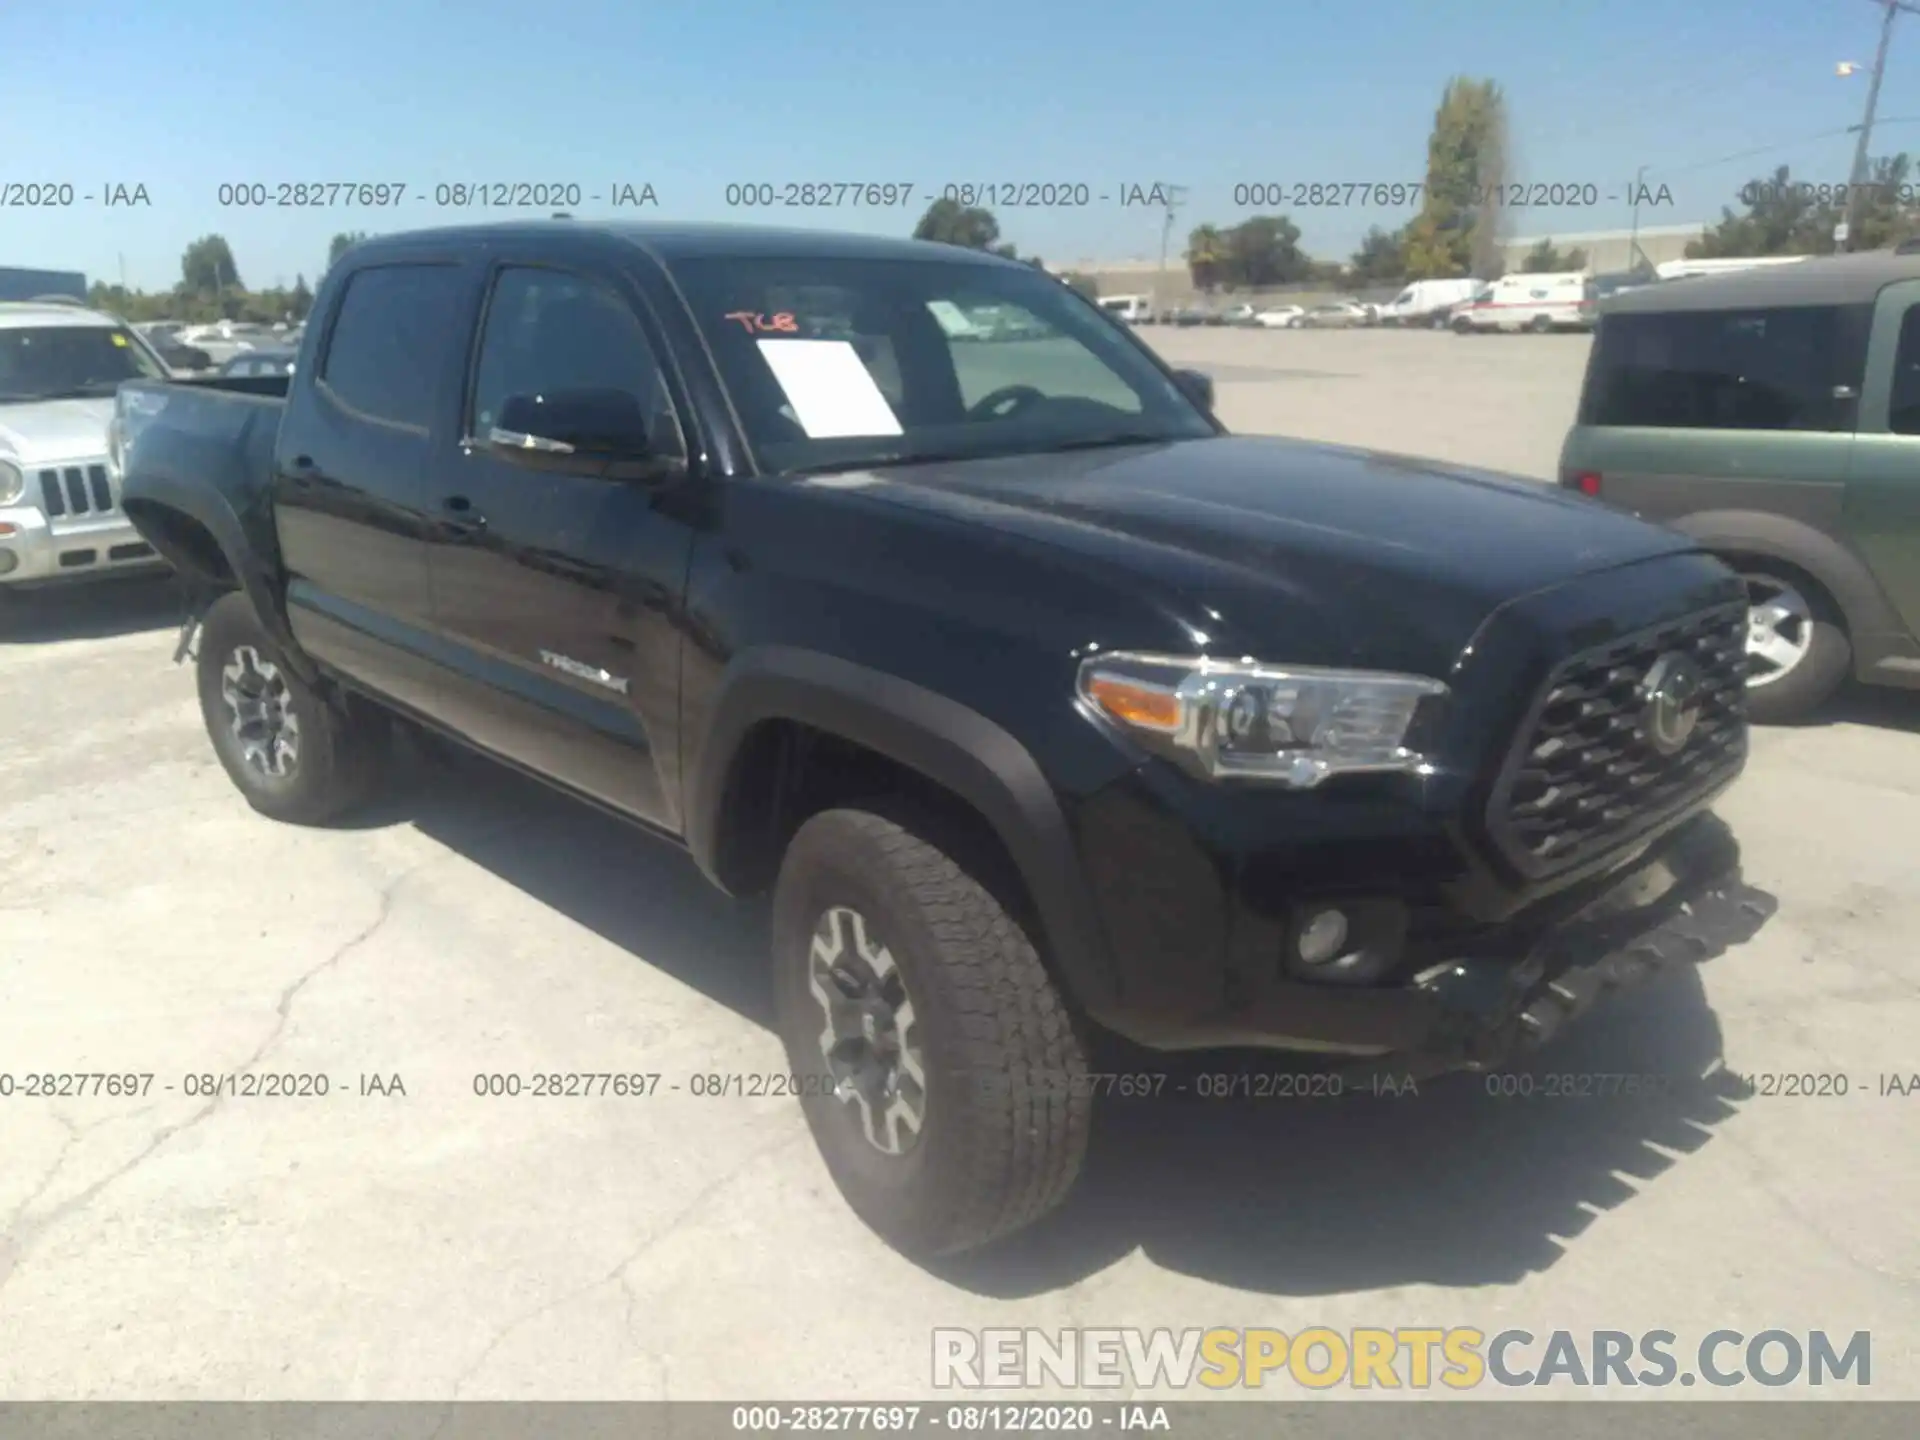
(8, 560)
(1322, 938)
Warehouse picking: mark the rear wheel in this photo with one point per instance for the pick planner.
(1540, 325)
(1463, 326)
(295, 753)
(1797, 647)
(939, 1070)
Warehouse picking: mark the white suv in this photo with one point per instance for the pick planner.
(60, 515)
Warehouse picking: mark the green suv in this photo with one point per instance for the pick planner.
(1774, 415)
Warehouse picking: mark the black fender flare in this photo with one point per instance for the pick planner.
(257, 576)
(1842, 573)
(950, 744)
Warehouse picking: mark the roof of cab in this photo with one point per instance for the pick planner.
(669, 242)
(1823, 280)
(20, 314)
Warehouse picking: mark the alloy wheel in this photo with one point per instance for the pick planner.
(260, 713)
(1779, 629)
(869, 1034)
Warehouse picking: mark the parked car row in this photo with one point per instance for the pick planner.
(207, 347)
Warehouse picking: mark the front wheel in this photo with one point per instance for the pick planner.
(1797, 647)
(939, 1070)
(294, 753)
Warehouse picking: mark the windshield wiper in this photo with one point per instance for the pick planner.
(1102, 442)
(875, 462)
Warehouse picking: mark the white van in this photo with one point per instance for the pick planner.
(1427, 302)
(1556, 301)
(1686, 269)
(1133, 309)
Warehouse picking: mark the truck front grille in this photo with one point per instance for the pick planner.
(1586, 776)
(76, 490)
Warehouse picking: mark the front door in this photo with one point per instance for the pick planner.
(557, 594)
(1883, 487)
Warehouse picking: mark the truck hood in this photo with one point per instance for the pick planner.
(1336, 555)
(46, 430)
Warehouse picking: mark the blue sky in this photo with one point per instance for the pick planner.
(182, 95)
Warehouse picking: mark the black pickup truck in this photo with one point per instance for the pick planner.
(1054, 717)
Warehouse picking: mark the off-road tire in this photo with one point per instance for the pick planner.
(1008, 1101)
(342, 742)
(1809, 685)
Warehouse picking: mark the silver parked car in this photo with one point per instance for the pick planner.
(60, 515)
(1336, 315)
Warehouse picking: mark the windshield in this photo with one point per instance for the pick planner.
(835, 364)
(64, 362)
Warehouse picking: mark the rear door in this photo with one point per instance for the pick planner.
(557, 594)
(1690, 411)
(1883, 486)
(352, 468)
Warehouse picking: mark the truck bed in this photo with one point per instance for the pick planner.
(203, 448)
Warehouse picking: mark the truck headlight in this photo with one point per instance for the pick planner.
(13, 483)
(1240, 719)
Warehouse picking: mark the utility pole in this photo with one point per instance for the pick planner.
(1858, 176)
(1635, 256)
(1176, 196)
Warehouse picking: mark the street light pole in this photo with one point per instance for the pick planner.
(1174, 195)
(1858, 175)
(1634, 257)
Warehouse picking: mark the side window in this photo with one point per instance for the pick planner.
(1903, 402)
(1715, 370)
(388, 340)
(547, 331)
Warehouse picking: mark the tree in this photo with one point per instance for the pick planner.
(1381, 258)
(1457, 231)
(342, 243)
(301, 300)
(1085, 284)
(206, 268)
(1264, 250)
(951, 223)
(1785, 216)
(1543, 259)
(1206, 257)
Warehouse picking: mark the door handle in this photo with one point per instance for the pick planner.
(462, 518)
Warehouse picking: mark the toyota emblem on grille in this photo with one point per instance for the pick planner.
(1672, 694)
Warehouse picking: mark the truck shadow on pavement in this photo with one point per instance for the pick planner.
(122, 605)
(1459, 1184)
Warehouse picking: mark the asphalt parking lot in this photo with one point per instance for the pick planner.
(437, 1243)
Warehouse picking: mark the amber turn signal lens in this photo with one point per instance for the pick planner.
(1147, 706)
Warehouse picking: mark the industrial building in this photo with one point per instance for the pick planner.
(1609, 251)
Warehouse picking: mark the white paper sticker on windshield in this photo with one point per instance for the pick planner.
(831, 392)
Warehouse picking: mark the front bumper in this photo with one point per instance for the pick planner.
(1512, 985)
(37, 551)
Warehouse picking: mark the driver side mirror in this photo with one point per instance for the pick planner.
(1197, 386)
(580, 430)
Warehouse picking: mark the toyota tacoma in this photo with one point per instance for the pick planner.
(1049, 713)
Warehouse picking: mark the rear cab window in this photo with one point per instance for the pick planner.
(389, 333)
